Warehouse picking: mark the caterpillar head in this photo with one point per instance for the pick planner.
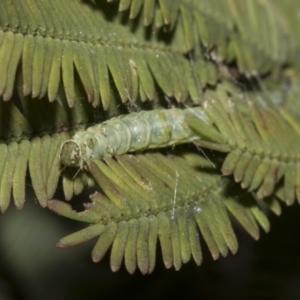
(70, 154)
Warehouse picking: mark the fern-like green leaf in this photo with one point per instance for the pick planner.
(151, 197)
(32, 132)
(49, 47)
(262, 145)
(250, 32)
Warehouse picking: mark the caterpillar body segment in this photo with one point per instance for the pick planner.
(129, 133)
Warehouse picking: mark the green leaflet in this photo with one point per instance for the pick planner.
(250, 32)
(54, 42)
(262, 145)
(148, 198)
(31, 133)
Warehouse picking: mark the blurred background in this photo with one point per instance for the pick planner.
(33, 268)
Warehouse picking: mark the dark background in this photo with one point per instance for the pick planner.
(33, 268)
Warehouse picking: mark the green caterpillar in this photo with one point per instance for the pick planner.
(129, 133)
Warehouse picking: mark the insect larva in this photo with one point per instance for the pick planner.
(129, 133)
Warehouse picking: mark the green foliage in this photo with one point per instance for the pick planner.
(68, 64)
(148, 197)
(262, 145)
(252, 32)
